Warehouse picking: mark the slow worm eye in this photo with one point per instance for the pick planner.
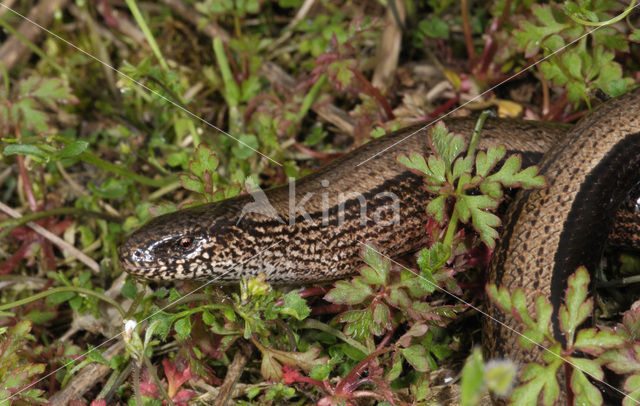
(185, 243)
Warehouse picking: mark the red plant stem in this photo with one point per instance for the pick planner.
(367, 393)
(490, 45)
(545, 92)
(556, 111)
(328, 309)
(443, 108)
(372, 91)
(574, 117)
(347, 383)
(466, 28)
(49, 256)
(568, 369)
(316, 291)
(33, 205)
(387, 337)
(316, 154)
(17, 256)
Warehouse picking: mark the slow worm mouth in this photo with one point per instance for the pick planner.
(139, 270)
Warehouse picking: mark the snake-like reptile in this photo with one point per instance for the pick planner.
(547, 233)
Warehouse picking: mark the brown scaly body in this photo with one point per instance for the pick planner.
(549, 233)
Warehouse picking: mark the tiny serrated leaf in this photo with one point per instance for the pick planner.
(436, 208)
(593, 341)
(379, 264)
(499, 296)
(577, 308)
(353, 292)
(485, 161)
(415, 162)
(416, 355)
(584, 392)
(295, 306)
(183, 327)
(462, 165)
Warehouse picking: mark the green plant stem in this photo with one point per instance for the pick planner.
(200, 297)
(475, 136)
(136, 383)
(473, 145)
(134, 305)
(613, 20)
(152, 371)
(311, 97)
(164, 190)
(53, 291)
(317, 325)
(115, 380)
(451, 229)
(231, 92)
(12, 223)
(133, 6)
(108, 166)
(619, 282)
(194, 133)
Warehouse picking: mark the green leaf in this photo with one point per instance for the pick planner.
(26, 149)
(295, 306)
(205, 161)
(462, 166)
(246, 147)
(485, 161)
(416, 355)
(353, 292)
(192, 183)
(530, 35)
(434, 28)
(577, 308)
(183, 327)
(472, 383)
(129, 289)
(587, 366)
(446, 145)
(377, 274)
(537, 379)
(321, 372)
(510, 175)
(585, 393)
(381, 318)
(434, 257)
(499, 296)
(359, 323)
(594, 342)
(31, 117)
(483, 221)
(436, 208)
(632, 388)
